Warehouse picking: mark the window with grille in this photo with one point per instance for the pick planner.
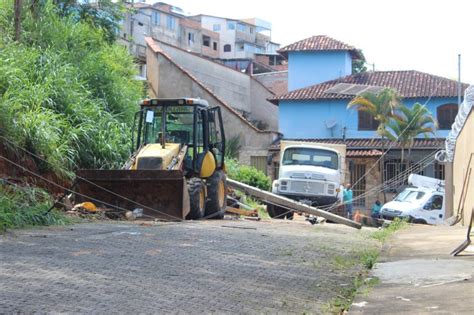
(367, 121)
(358, 178)
(227, 48)
(446, 114)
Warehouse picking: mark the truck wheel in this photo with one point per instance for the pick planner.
(197, 199)
(277, 212)
(216, 195)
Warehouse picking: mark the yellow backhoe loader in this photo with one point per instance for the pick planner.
(177, 169)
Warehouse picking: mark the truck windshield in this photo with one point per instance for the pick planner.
(308, 156)
(409, 196)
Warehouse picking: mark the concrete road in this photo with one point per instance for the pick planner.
(193, 267)
(418, 276)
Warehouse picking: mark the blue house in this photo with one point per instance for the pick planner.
(321, 84)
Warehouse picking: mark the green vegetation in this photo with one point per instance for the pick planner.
(383, 234)
(232, 147)
(366, 258)
(247, 174)
(381, 106)
(369, 257)
(358, 65)
(26, 206)
(406, 125)
(66, 93)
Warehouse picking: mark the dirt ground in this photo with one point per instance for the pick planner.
(214, 266)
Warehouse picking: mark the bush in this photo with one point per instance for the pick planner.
(66, 94)
(247, 174)
(26, 206)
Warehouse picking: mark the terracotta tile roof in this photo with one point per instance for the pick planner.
(373, 144)
(410, 84)
(319, 43)
(363, 153)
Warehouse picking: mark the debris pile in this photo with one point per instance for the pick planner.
(89, 210)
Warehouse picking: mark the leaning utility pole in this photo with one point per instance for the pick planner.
(17, 7)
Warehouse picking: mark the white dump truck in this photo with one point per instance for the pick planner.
(422, 202)
(309, 173)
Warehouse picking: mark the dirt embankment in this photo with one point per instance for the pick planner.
(18, 175)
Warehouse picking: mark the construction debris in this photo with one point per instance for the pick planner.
(290, 204)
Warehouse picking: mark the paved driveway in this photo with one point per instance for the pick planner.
(193, 267)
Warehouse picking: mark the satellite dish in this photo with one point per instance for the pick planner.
(330, 123)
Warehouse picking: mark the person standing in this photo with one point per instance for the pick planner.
(347, 200)
(376, 210)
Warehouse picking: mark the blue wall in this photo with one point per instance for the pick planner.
(309, 68)
(307, 119)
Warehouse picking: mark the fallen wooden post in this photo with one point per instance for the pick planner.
(291, 204)
(247, 213)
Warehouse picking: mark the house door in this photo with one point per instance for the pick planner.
(358, 172)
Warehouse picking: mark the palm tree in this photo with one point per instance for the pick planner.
(408, 124)
(381, 106)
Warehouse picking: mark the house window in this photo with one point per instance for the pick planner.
(216, 27)
(231, 25)
(214, 45)
(392, 170)
(367, 121)
(227, 48)
(446, 114)
(170, 22)
(155, 17)
(190, 39)
(241, 27)
(251, 30)
(206, 41)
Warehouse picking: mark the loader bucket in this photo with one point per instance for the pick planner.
(161, 194)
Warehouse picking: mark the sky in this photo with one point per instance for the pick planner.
(418, 35)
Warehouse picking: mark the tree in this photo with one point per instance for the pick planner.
(358, 65)
(409, 123)
(103, 14)
(381, 106)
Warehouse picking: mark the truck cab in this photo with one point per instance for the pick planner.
(310, 174)
(422, 202)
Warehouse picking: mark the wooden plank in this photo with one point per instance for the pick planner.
(291, 204)
(247, 213)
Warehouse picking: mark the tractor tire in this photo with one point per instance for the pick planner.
(216, 195)
(197, 199)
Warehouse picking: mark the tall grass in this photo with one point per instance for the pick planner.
(66, 94)
(26, 206)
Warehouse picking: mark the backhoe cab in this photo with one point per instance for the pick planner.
(176, 169)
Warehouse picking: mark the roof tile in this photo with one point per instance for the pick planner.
(410, 84)
(319, 43)
(376, 143)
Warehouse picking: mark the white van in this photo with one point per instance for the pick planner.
(422, 202)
